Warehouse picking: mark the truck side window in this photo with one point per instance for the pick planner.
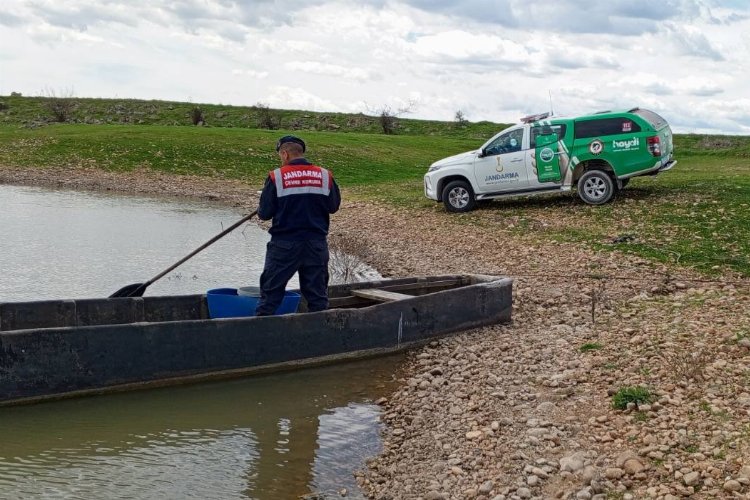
(506, 143)
(606, 126)
(546, 130)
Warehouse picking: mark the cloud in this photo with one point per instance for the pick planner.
(624, 17)
(499, 12)
(578, 58)
(298, 98)
(51, 35)
(80, 17)
(456, 46)
(658, 88)
(691, 42)
(329, 70)
(257, 75)
(11, 20)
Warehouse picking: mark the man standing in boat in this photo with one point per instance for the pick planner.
(299, 197)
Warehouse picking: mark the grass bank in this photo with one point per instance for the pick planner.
(696, 215)
(37, 111)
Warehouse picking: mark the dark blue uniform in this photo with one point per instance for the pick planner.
(299, 197)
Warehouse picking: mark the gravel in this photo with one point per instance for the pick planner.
(520, 410)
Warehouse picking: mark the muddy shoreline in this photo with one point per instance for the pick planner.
(525, 410)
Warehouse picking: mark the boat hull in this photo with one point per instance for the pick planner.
(43, 363)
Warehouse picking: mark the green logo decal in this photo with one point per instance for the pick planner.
(546, 155)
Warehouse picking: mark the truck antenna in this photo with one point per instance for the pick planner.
(551, 112)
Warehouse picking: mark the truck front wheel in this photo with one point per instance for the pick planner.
(596, 187)
(458, 197)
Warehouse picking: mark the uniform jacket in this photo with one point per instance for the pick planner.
(299, 197)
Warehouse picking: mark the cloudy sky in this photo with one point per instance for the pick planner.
(492, 59)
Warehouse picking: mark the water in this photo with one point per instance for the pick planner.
(68, 244)
(268, 437)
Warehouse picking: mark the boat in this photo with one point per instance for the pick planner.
(64, 348)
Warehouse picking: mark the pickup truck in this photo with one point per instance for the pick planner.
(596, 154)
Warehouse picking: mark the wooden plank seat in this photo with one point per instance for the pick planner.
(380, 295)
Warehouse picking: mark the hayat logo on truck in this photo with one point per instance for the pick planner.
(626, 145)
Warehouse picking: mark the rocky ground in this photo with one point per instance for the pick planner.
(526, 410)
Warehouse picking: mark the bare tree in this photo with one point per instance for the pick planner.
(388, 117)
(461, 118)
(196, 116)
(267, 118)
(60, 105)
(348, 256)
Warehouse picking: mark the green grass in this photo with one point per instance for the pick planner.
(696, 215)
(20, 110)
(590, 346)
(356, 159)
(632, 394)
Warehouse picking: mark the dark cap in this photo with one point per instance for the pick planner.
(290, 138)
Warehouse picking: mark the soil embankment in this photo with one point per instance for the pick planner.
(525, 410)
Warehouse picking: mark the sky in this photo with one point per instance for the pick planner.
(495, 60)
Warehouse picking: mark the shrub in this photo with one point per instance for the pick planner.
(267, 118)
(635, 394)
(590, 346)
(196, 116)
(60, 106)
(388, 119)
(348, 256)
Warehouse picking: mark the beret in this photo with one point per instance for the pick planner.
(290, 138)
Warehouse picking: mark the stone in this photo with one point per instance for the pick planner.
(486, 487)
(433, 495)
(589, 474)
(732, 485)
(539, 472)
(474, 434)
(691, 478)
(584, 495)
(624, 457)
(572, 463)
(523, 493)
(744, 472)
(532, 480)
(613, 473)
(633, 466)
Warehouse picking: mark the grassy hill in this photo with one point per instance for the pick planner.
(696, 215)
(38, 111)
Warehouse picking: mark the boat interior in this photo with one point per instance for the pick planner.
(112, 311)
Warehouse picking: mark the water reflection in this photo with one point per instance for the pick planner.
(266, 437)
(68, 244)
(269, 437)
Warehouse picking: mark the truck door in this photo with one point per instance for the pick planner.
(547, 158)
(501, 164)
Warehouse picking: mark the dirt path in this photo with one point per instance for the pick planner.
(525, 410)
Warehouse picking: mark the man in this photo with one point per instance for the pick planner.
(299, 196)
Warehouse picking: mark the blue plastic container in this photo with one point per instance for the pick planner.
(225, 303)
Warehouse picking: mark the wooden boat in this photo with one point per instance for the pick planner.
(61, 348)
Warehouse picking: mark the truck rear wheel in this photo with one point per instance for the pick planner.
(596, 187)
(458, 197)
